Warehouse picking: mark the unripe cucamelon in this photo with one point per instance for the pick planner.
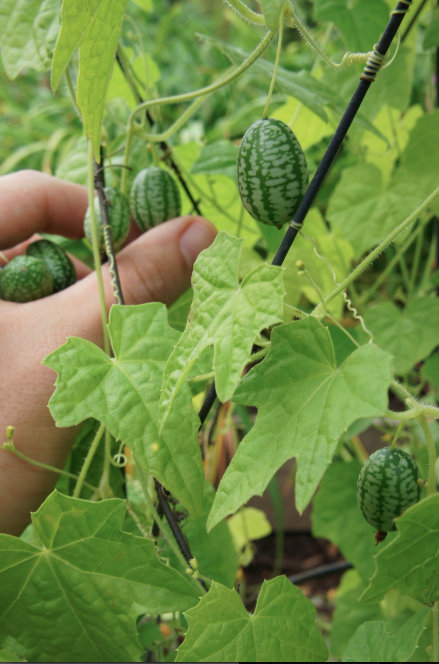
(272, 172)
(118, 215)
(25, 278)
(155, 197)
(386, 487)
(59, 264)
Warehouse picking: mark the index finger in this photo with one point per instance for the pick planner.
(33, 202)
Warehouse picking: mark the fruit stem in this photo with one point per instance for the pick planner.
(276, 62)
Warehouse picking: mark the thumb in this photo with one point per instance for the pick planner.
(156, 267)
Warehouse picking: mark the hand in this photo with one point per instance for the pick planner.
(155, 266)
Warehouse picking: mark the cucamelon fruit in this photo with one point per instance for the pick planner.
(118, 216)
(155, 197)
(387, 485)
(25, 278)
(59, 264)
(272, 172)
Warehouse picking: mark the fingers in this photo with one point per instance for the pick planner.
(156, 267)
(33, 202)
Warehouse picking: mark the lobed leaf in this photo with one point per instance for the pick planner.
(282, 628)
(372, 641)
(410, 562)
(305, 402)
(92, 27)
(28, 30)
(225, 314)
(75, 590)
(124, 391)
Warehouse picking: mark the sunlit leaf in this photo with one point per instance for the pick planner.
(281, 629)
(123, 392)
(225, 314)
(305, 402)
(80, 566)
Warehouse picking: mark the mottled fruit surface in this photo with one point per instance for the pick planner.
(60, 266)
(387, 486)
(25, 278)
(272, 172)
(155, 198)
(118, 206)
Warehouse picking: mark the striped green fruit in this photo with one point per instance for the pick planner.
(155, 197)
(272, 172)
(59, 264)
(119, 218)
(25, 278)
(387, 485)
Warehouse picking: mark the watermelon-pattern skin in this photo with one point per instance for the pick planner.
(118, 215)
(25, 278)
(272, 172)
(59, 264)
(387, 486)
(155, 197)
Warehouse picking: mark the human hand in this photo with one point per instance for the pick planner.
(155, 266)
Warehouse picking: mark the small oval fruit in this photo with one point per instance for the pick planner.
(272, 172)
(119, 218)
(387, 485)
(155, 197)
(59, 264)
(25, 278)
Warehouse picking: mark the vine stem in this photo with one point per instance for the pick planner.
(188, 96)
(88, 459)
(246, 13)
(166, 534)
(9, 446)
(276, 63)
(356, 272)
(95, 249)
(431, 482)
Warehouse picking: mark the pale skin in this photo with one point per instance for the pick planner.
(155, 266)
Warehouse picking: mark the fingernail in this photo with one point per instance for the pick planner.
(196, 237)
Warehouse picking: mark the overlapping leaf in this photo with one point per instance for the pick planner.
(225, 314)
(372, 641)
(28, 30)
(304, 402)
(123, 392)
(79, 566)
(410, 562)
(93, 27)
(282, 628)
(410, 334)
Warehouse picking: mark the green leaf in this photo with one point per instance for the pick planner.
(360, 23)
(225, 314)
(409, 334)
(349, 612)
(364, 210)
(81, 580)
(410, 562)
(372, 641)
(431, 36)
(272, 10)
(217, 157)
(430, 371)
(92, 27)
(337, 517)
(304, 402)
(28, 29)
(282, 628)
(123, 392)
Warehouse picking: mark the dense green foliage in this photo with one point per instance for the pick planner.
(345, 333)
